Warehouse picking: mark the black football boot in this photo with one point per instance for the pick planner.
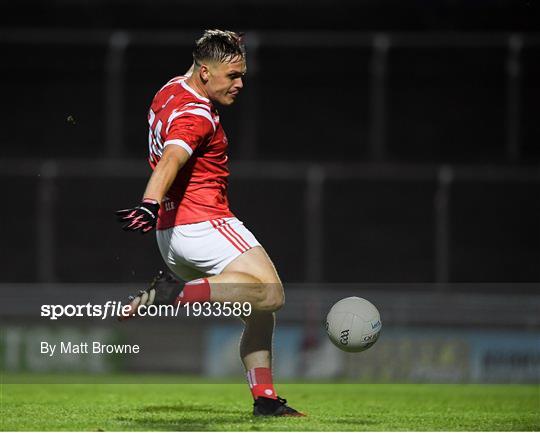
(264, 406)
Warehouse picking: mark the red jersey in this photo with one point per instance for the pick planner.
(179, 116)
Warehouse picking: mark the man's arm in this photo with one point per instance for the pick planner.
(143, 218)
(173, 159)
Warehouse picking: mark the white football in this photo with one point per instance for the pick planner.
(353, 324)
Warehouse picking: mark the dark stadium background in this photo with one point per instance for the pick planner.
(386, 149)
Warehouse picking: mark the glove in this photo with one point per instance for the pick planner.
(142, 218)
(163, 290)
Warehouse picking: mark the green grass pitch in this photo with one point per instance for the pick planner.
(330, 407)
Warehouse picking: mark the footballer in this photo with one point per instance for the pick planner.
(200, 239)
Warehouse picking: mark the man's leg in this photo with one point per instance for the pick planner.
(256, 341)
(256, 353)
(251, 277)
(266, 294)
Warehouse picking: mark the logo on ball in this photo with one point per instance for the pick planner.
(344, 339)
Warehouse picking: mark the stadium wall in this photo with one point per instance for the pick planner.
(465, 335)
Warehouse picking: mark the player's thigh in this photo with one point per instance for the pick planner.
(255, 262)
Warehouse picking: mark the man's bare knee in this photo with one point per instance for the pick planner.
(274, 297)
(264, 296)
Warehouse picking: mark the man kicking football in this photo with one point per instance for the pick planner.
(200, 239)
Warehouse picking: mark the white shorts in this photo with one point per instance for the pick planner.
(203, 249)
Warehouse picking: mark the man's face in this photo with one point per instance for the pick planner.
(225, 81)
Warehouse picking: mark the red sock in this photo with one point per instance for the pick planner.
(260, 382)
(194, 291)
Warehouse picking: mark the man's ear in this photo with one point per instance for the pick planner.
(204, 73)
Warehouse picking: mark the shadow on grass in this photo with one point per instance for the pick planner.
(189, 417)
(191, 408)
(182, 417)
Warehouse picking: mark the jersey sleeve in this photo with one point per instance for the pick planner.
(189, 128)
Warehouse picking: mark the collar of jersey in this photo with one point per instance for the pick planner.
(193, 92)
